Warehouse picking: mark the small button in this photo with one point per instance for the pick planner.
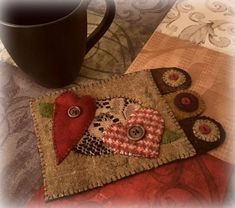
(205, 129)
(185, 101)
(136, 132)
(174, 76)
(74, 111)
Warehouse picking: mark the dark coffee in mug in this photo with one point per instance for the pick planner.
(48, 39)
(36, 12)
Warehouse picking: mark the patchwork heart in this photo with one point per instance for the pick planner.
(72, 117)
(109, 111)
(141, 136)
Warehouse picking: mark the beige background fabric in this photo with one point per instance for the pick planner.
(212, 75)
(79, 173)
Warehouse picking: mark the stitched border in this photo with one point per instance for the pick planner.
(169, 110)
(90, 85)
(123, 173)
(43, 162)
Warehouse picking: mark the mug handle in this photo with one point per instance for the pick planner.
(103, 26)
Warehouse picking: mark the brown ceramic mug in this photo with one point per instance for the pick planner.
(49, 42)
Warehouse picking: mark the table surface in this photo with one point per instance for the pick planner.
(207, 23)
(212, 77)
(20, 170)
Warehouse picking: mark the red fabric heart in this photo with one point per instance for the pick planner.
(117, 138)
(67, 131)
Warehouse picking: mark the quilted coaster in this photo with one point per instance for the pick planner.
(79, 172)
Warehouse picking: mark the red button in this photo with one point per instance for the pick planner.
(185, 101)
(173, 77)
(204, 129)
(74, 112)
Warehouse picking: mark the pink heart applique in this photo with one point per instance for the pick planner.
(72, 117)
(141, 136)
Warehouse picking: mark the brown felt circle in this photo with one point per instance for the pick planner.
(200, 145)
(164, 88)
(186, 102)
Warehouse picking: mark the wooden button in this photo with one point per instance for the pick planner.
(74, 112)
(136, 132)
(205, 129)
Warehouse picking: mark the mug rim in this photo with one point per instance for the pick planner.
(43, 24)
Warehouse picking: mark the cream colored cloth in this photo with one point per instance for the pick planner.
(209, 23)
(4, 55)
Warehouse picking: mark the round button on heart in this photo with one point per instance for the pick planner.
(74, 112)
(140, 136)
(72, 117)
(136, 132)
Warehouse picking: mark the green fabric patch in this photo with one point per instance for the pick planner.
(46, 109)
(170, 136)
